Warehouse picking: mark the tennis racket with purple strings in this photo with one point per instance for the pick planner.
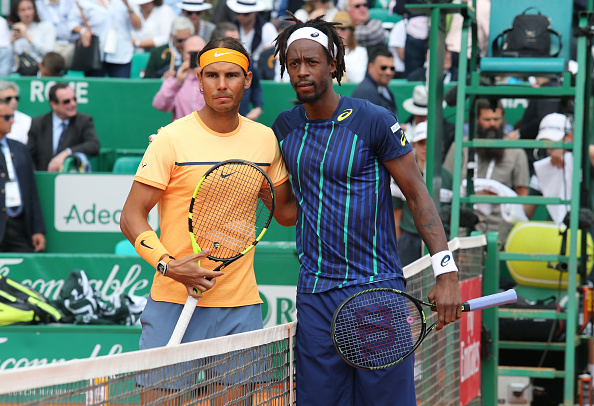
(378, 328)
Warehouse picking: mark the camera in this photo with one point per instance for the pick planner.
(193, 60)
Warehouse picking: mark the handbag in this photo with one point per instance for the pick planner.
(529, 36)
(26, 65)
(86, 58)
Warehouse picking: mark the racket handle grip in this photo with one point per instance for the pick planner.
(183, 321)
(497, 299)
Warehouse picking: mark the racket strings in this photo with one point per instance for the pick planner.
(378, 328)
(230, 209)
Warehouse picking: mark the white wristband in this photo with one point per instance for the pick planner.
(443, 262)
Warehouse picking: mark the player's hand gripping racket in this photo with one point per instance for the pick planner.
(230, 211)
(378, 328)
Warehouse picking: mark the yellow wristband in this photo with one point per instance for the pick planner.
(149, 247)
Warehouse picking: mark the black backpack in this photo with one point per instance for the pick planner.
(529, 36)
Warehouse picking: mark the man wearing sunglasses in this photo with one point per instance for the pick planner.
(160, 60)
(21, 221)
(61, 133)
(194, 10)
(380, 70)
(9, 92)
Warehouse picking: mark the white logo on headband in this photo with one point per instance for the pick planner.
(312, 34)
(216, 54)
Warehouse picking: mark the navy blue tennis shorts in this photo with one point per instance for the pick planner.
(323, 378)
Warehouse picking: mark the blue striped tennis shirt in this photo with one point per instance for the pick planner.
(345, 222)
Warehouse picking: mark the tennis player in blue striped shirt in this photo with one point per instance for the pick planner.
(341, 153)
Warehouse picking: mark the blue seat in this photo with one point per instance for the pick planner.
(139, 61)
(126, 164)
(502, 16)
(125, 247)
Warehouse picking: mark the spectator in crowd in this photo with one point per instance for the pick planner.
(61, 133)
(499, 171)
(160, 59)
(29, 34)
(528, 126)
(152, 23)
(51, 65)
(268, 67)
(396, 44)
(178, 92)
(56, 12)
(21, 224)
(368, 32)
(315, 8)
(453, 39)
(194, 10)
(253, 101)
(9, 92)
(410, 244)
(421, 74)
(553, 174)
(6, 60)
(254, 31)
(416, 106)
(417, 35)
(374, 87)
(110, 22)
(355, 56)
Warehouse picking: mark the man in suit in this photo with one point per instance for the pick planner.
(21, 221)
(55, 136)
(380, 70)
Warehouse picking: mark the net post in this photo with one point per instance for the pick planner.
(490, 319)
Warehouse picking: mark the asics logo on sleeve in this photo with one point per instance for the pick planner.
(445, 260)
(216, 54)
(144, 245)
(402, 139)
(345, 114)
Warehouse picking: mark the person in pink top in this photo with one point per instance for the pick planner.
(179, 92)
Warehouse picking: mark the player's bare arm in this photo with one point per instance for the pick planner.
(446, 292)
(133, 222)
(285, 212)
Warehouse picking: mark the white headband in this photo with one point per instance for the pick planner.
(312, 34)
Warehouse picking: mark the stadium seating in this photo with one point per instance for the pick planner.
(139, 61)
(126, 164)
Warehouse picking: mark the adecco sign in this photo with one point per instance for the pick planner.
(93, 203)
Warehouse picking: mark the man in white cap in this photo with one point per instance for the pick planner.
(256, 33)
(342, 153)
(194, 9)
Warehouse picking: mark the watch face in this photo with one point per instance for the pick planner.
(161, 267)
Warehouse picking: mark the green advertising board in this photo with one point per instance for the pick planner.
(276, 267)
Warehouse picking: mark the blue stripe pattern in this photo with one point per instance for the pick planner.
(345, 223)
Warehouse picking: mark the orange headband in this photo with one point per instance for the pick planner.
(224, 55)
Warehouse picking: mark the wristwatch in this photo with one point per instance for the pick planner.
(162, 266)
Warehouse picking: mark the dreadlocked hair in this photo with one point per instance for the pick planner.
(328, 28)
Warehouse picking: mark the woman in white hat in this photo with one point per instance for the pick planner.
(194, 10)
(152, 23)
(255, 32)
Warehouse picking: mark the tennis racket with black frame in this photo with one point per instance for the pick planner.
(230, 211)
(378, 328)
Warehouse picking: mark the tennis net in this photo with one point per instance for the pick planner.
(254, 368)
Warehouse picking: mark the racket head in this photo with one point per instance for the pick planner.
(377, 328)
(231, 209)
